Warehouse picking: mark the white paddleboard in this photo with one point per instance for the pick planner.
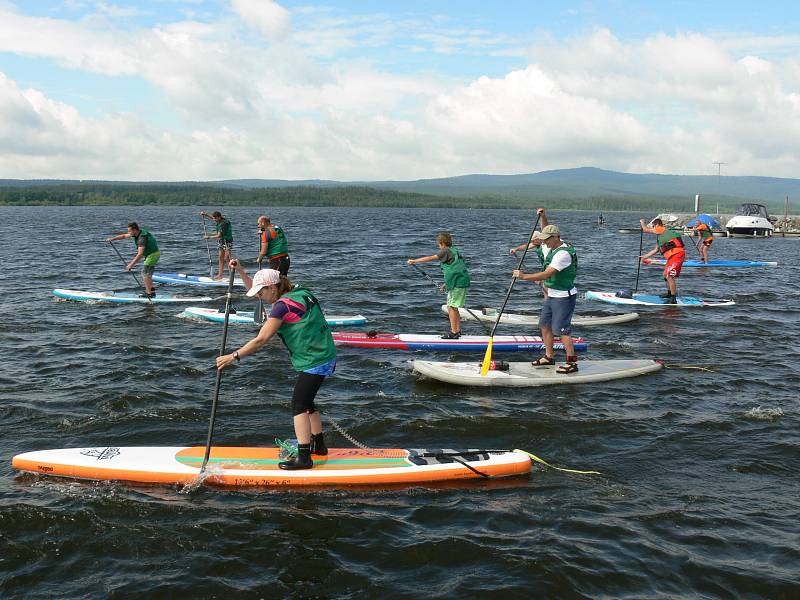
(217, 316)
(653, 300)
(126, 298)
(490, 315)
(524, 374)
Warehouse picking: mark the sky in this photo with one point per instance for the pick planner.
(179, 90)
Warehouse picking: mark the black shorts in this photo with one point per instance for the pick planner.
(225, 245)
(280, 264)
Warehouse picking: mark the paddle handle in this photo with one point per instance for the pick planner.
(218, 382)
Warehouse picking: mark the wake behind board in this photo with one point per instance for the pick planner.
(237, 466)
(183, 279)
(126, 298)
(217, 316)
(524, 374)
(490, 315)
(466, 343)
(653, 300)
(714, 264)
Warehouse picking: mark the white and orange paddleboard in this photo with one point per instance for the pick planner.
(238, 466)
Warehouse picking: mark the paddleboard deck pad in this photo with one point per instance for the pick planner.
(653, 300)
(184, 279)
(126, 298)
(524, 374)
(466, 343)
(490, 315)
(241, 466)
(714, 264)
(217, 316)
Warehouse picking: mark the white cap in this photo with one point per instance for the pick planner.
(263, 278)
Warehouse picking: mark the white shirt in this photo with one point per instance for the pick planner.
(560, 262)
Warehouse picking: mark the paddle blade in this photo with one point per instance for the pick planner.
(487, 359)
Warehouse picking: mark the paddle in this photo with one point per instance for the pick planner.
(125, 262)
(436, 285)
(258, 316)
(219, 371)
(208, 249)
(629, 293)
(487, 359)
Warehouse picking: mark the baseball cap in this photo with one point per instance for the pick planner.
(549, 231)
(263, 278)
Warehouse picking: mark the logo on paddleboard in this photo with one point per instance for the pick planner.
(101, 453)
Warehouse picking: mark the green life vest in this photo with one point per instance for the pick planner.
(150, 245)
(225, 230)
(455, 274)
(539, 253)
(565, 278)
(668, 240)
(309, 341)
(278, 245)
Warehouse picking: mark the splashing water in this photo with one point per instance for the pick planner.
(764, 414)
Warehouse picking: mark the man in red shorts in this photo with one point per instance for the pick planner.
(670, 244)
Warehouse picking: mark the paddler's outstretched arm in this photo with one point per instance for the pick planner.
(649, 254)
(265, 334)
(534, 243)
(647, 229)
(234, 264)
(414, 261)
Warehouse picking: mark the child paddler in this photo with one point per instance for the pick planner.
(147, 249)
(706, 239)
(297, 318)
(456, 279)
(670, 245)
(559, 269)
(224, 237)
(274, 245)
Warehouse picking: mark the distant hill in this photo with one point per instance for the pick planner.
(586, 187)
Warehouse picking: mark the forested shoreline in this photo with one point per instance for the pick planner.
(105, 194)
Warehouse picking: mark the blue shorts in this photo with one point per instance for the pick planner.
(325, 369)
(557, 314)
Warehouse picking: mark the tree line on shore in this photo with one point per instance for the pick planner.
(181, 194)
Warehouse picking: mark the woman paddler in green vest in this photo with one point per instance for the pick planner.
(147, 248)
(297, 318)
(456, 279)
(559, 268)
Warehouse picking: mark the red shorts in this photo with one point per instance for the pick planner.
(708, 241)
(674, 264)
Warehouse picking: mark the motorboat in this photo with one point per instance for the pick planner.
(751, 220)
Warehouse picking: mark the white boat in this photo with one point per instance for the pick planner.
(751, 220)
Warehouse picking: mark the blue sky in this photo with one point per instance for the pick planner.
(193, 89)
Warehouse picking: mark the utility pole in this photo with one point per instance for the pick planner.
(719, 180)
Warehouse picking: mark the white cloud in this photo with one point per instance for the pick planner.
(266, 16)
(287, 107)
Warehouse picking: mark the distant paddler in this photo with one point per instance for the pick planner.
(297, 318)
(224, 237)
(147, 249)
(274, 245)
(706, 239)
(670, 245)
(559, 269)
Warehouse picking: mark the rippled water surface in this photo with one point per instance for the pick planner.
(701, 469)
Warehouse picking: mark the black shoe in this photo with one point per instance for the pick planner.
(667, 295)
(318, 446)
(301, 461)
(671, 300)
(452, 335)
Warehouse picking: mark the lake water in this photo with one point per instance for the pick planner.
(701, 469)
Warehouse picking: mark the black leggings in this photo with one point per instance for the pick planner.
(305, 390)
